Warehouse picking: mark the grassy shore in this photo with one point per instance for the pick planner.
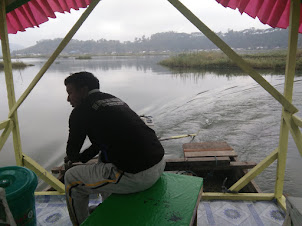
(84, 57)
(15, 65)
(272, 61)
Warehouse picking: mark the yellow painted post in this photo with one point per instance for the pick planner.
(55, 54)
(294, 130)
(43, 174)
(234, 56)
(239, 196)
(288, 93)
(49, 193)
(10, 83)
(5, 134)
(282, 202)
(255, 171)
(297, 120)
(4, 123)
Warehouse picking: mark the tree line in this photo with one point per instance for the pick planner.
(165, 42)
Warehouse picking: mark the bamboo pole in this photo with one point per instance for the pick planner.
(4, 123)
(10, 83)
(5, 134)
(239, 196)
(43, 174)
(55, 54)
(297, 120)
(294, 130)
(255, 171)
(49, 193)
(282, 202)
(177, 137)
(288, 93)
(234, 56)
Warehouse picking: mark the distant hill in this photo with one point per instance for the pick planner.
(249, 39)
(13, 47)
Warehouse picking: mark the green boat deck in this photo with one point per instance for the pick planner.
(173, 200)
(52, 210)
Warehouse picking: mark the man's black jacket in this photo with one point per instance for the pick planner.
(115, 130)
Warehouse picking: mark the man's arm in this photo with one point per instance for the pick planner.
(76, 138)
(89, 153)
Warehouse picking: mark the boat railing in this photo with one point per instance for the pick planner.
(290, 123)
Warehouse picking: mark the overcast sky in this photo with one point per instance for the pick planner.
(126, 19)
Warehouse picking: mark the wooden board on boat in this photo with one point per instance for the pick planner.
(207, 146)
(213, 161)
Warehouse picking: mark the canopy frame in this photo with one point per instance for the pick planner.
(289, 121)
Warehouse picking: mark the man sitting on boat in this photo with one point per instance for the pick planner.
(130, 159)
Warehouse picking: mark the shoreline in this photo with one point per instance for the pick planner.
(273, 61)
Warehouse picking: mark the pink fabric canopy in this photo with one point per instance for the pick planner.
(272, 12)
(35, 12)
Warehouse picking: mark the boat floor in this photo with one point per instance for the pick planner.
(52, 210)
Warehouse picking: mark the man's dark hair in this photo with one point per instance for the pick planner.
(82, 79)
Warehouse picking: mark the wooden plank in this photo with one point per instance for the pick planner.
(5, 134)
(43, 174)
(255, 171)
(197, 164)
(238, 196)
(243, 165)
(49, 193)
(209, 153)
(206, 164)
(250, 187)
(294, 130)
(207, 146)
(297, 120)
(194, 216)
(10, 84)
(288, 93)
(282, 202)
(204, 159)
(3, 124)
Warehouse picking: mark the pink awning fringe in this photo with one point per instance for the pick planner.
(272, 12)
(36, 12)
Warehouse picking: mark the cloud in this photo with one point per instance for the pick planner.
(125, 20)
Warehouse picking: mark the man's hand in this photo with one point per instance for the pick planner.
(66, 159)
(67, 163)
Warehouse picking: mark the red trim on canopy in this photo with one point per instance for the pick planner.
(36, 12)
(272, 12)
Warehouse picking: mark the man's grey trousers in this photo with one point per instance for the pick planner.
(103, 178)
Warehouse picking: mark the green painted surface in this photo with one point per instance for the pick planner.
(171, 201)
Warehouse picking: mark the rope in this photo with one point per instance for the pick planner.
(225, 189)
(9, 216)
(178, 137)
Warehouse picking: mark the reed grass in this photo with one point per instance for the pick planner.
(273, 61)
(15, 65)
(84, 57)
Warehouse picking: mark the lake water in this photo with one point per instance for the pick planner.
(217, 106)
